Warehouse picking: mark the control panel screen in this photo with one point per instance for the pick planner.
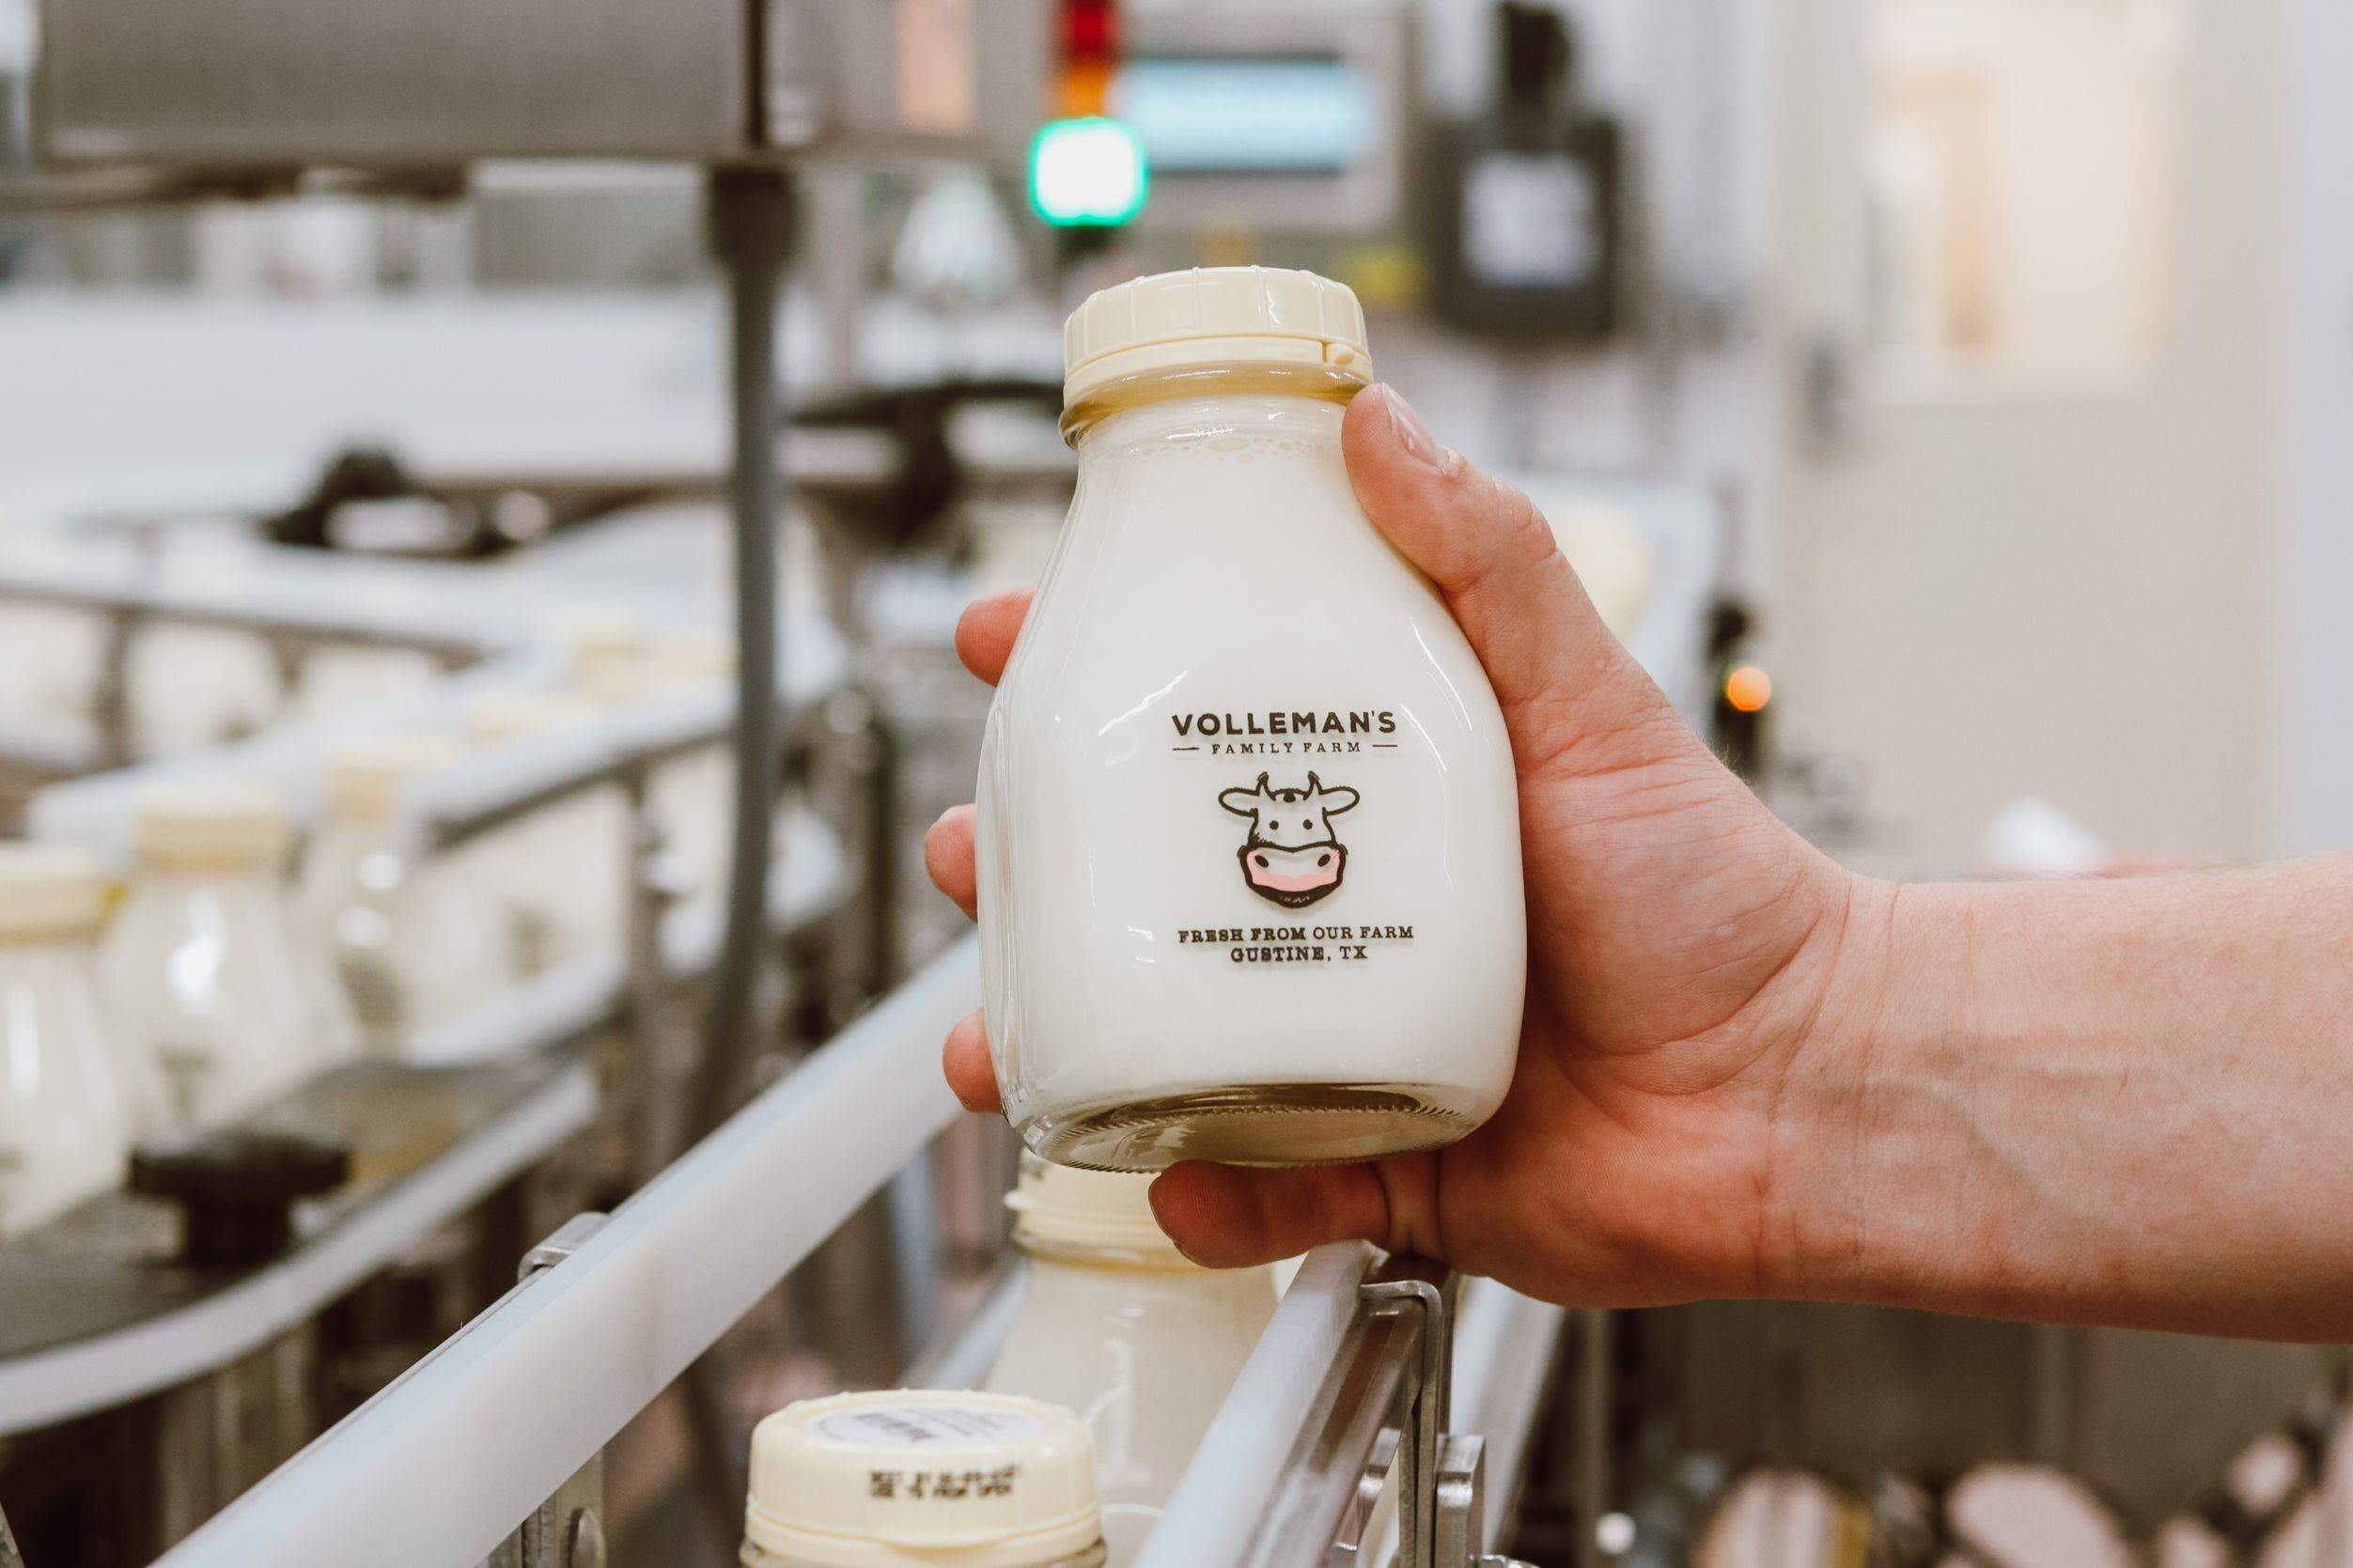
(1234, 115)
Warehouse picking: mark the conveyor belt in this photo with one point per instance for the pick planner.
(94, 1311)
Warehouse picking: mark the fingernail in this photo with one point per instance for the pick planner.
(1411, 434)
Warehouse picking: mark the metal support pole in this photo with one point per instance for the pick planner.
(647, 899)
(751, 235)
(110, 703)
(1592, 1480)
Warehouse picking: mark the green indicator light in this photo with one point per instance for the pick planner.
(1086, 173)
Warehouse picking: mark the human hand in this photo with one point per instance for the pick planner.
(1682, 944)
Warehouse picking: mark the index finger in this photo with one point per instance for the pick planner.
(984, 637)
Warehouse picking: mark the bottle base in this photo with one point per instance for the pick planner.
(1268, 1123)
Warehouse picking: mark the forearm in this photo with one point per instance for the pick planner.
(2123, 1102)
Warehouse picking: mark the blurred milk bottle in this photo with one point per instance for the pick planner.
(71, 1099)
(203, 966)
(918, 1477)
(692, 795)
(556, 876)
(1123, 1329)
(416, 945)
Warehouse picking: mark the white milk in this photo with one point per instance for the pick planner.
(70, 1100)
(1117, 1325)
(944, 1480)
(205, 971)
(416, 941)
(1249, 835)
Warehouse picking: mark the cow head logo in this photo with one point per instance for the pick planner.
(1292, 857)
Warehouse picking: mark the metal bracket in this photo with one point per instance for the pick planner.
(1418, 1454)
(568, 1530)
(561, 1243)
(1459, 1500)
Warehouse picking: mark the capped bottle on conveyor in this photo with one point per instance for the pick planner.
(1248, 829)
(914, 1477)
(72, 1096)
(207, 970)
(416, 942)
(1118, 1325)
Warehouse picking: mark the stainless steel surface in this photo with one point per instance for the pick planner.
(433, 85)
(560, 1244)
(584, 1541)
(427, 81)
(1459, 1502)
(1347, 1362)
(1425, 1413)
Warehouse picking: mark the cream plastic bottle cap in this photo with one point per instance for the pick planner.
(922, 1476)
(1058, 1208)
(521, 711)
(668, 665)
(50, 892)
(1213, 315)
(366, 774)
(211, 826)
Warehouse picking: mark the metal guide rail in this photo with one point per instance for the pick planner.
(127, 600)
(1351, 1391)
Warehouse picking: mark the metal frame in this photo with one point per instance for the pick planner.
(1351, 1384)
(127, 607)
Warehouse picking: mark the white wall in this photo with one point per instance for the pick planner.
(2008, 590)
(2310, 795)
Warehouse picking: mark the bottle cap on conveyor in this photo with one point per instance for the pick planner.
(50, 892)
(519, 712)
(943, 1480)
(211, 826)
(1102, 1214)
(366, 773)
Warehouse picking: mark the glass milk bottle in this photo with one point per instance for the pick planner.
(1249, 835)
(943, 1480)
(415, 943)
(71, 1099)
(693, 795)
(1122, 1328)
(558, 876)
(205, 970)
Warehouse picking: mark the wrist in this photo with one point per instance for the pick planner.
(1863, 1161)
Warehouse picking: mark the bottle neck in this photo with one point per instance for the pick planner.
(1196, 393)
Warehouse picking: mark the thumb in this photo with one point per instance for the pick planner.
(1232, 1217)
(1556, 670)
